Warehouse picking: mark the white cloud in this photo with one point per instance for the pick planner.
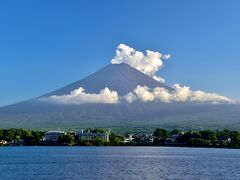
(143, 93)
(166, 56)
(159, 79)
(148, 63)
(130, 97)
(140, 93)
(79, 96)
(179, 94)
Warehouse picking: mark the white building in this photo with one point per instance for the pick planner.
(3, 142)
(89, 136)
(53, 135)
(128, 139)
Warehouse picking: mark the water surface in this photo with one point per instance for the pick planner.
(118, 163)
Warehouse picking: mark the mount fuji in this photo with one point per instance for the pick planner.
(123, 79)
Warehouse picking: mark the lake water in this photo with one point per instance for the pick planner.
(118, 163)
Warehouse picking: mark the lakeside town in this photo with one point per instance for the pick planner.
(100, 137)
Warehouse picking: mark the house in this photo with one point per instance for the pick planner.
(53, 135)
(3, 143)
(90, 136)
(145, 138)
(225, 141)
(173, 138)
(19, 142)
(128, 139)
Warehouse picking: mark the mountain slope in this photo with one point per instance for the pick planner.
(118, 77)
(123, 79)
(135, 115)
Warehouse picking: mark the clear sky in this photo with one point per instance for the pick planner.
(45, 45)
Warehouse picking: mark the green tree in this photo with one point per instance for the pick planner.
(160, 133)
(176, 131)
(94, 130)
(208, 135)
(199, 142)
(99, 142)
(223, 135)
(115, 139)
(9, 136)
(1, 134)
(68, 139)
(37, 136)
(235, 138)
(186, 138)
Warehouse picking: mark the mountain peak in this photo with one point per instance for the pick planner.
(122, 78)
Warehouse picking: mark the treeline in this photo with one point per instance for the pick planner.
(160, 137)
(27, 137)
(204, 138)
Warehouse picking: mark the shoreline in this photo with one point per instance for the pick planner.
(145, 146)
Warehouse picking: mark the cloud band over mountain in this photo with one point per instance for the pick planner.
(79, 96)
(140, 94)
(179, 94)
(148, 64)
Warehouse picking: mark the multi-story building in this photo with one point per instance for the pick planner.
(89, 136)
(53, 135)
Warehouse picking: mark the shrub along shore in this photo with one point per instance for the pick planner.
(160, 137)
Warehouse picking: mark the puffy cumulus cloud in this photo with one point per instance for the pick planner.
(140, 93)
(143, 93)
(79, 96)
(178, 94)
(130, 97)
(148, 63)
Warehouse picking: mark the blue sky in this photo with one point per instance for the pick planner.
(45, 45)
